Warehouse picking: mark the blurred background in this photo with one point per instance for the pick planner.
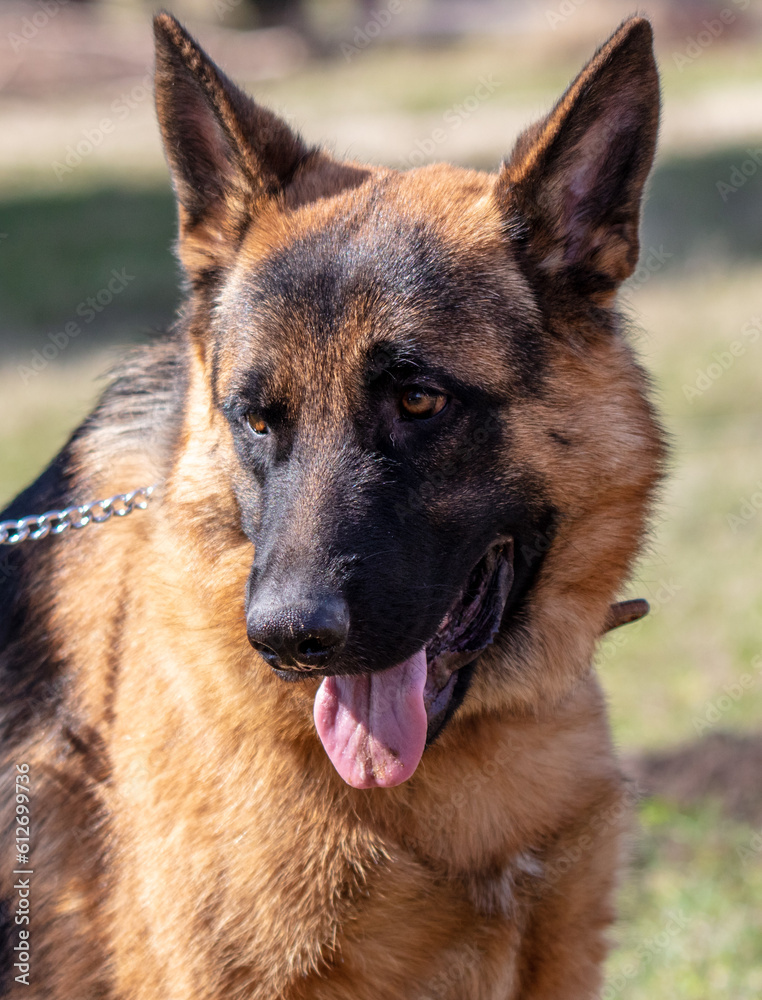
(86, 229)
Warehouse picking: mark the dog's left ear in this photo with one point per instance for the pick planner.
(226, 153)
(570, 193)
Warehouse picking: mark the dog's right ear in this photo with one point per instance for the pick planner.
(570, 193)
(225, 152)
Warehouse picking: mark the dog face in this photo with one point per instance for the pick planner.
(436, 438)
(370, 423)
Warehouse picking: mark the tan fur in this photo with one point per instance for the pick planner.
(192, 838)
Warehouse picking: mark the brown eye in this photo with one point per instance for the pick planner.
(421, 403)
(257, 424)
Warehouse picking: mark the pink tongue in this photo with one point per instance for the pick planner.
(373, 726)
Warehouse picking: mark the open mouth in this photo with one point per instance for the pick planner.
(375, 727)
(466, 630)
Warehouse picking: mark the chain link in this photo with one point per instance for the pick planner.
(55, 522)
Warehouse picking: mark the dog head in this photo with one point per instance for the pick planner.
(417, 395)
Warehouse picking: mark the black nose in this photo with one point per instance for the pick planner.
(301, 636)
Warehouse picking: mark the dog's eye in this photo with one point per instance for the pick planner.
(420, 403)
(257, 424)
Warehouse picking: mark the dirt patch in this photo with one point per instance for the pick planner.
(725, 767)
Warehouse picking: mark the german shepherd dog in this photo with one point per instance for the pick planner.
(321, 722)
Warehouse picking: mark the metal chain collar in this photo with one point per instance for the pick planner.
(54, 522)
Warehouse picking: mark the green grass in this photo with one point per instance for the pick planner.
(702, 576)
(61, 249)
(38, 415)
(690, 920)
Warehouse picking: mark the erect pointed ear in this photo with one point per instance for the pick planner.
(225, 152)
(570, 193)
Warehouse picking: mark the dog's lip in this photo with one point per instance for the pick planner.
(468, 628)
(474, 617)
